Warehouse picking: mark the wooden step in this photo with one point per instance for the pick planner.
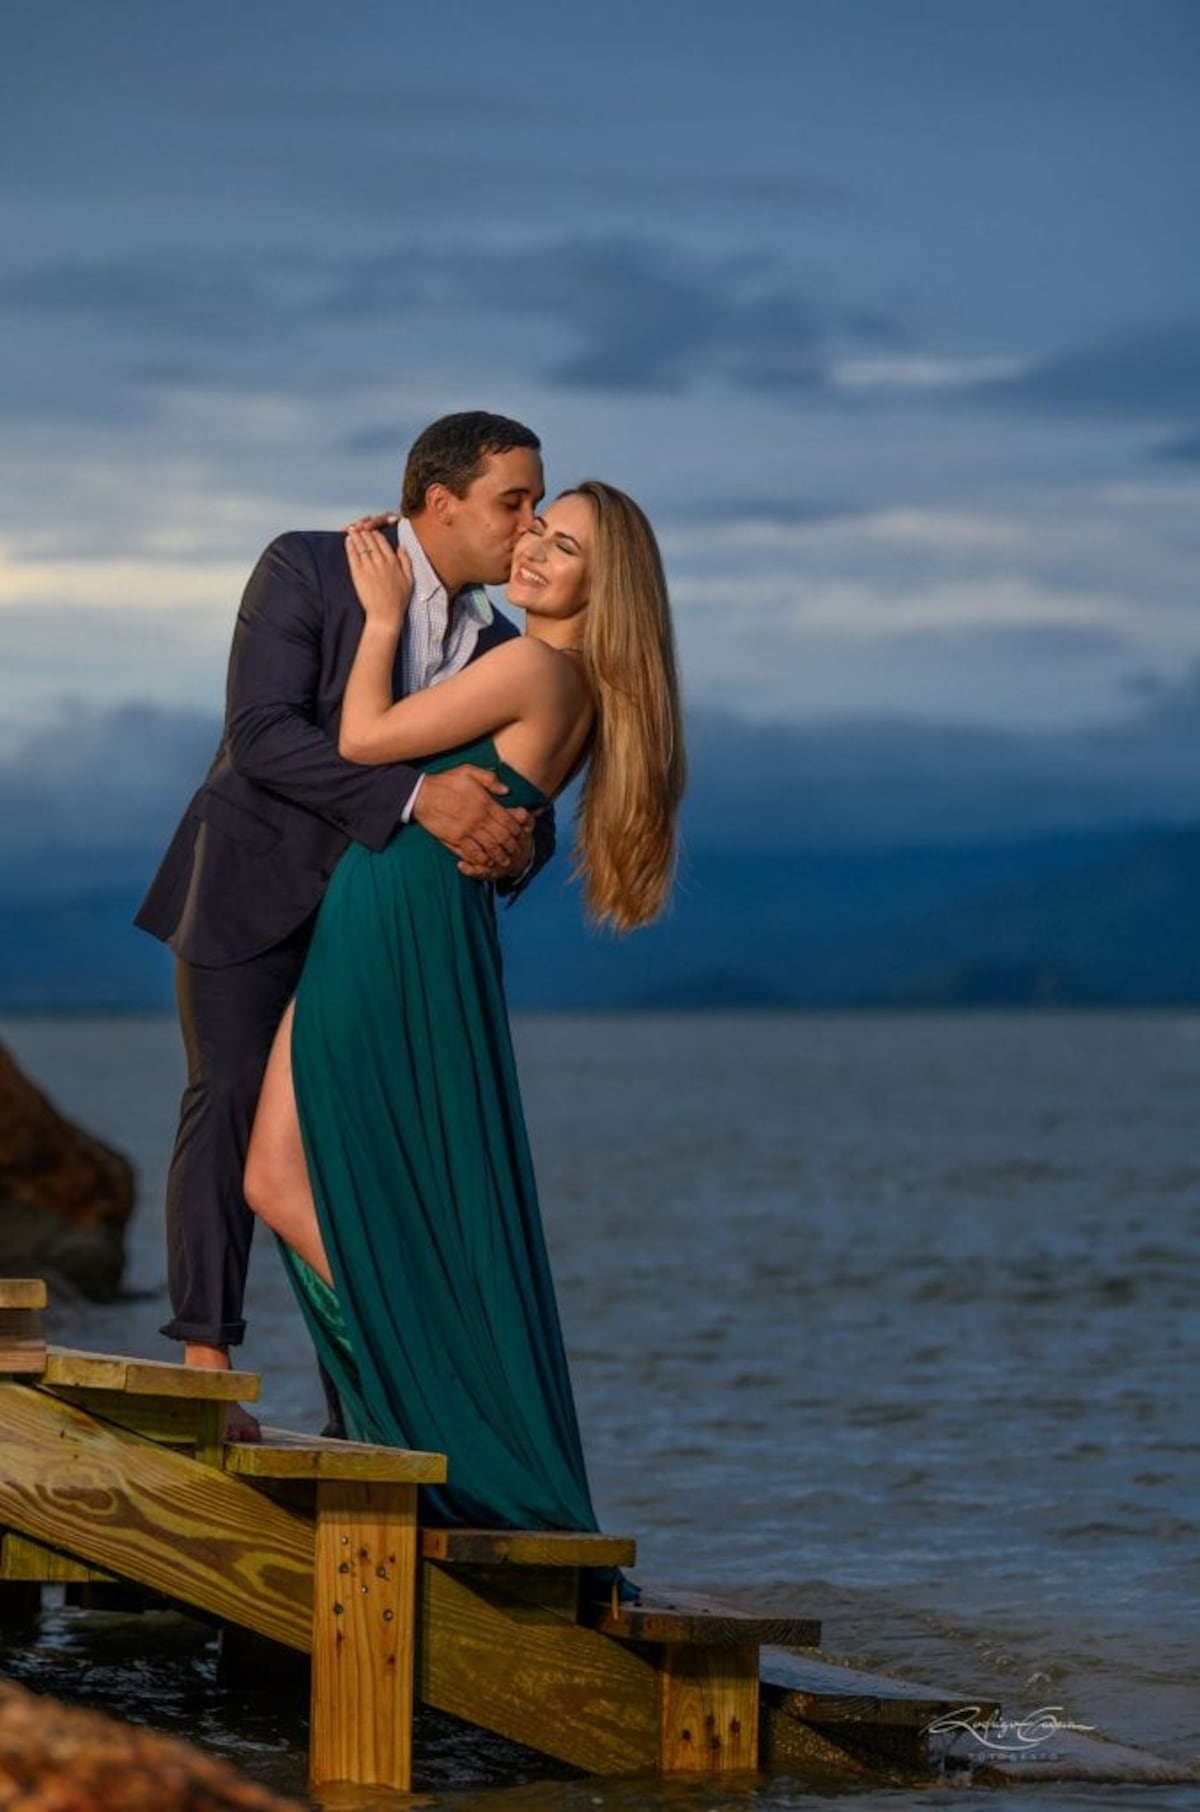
(527, 1548)
(284, 1455)
(22, 1334)
(821, 1692)
(667, 1615)
(146, 1377)
(22, 1293)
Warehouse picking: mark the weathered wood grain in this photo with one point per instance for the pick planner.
(147, 1377)
(22, 1344)
(21, 1558)
(527, 1548)
(520, 1669)
(364, 1604)
(820, 1692)
(152, 1516)
(789, 1746)
(283, 1455)
(171, 1421)
(708, 1709)
(553, 1589)
(691, 1617)
(22, 1293)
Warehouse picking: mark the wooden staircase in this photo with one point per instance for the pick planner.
(116, 1470)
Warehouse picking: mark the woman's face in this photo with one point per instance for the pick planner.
(552, 562)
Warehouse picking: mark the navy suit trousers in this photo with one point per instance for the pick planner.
(229, 1017)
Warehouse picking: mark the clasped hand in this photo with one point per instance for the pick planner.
(382, 574)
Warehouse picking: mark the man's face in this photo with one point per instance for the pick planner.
(499, 506)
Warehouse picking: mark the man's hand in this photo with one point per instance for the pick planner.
(459, 808)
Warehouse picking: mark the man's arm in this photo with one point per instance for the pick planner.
(274, 675)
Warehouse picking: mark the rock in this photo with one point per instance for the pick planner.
(65, 1196)
(54, 1759)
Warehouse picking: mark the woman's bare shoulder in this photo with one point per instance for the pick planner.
(539, 662)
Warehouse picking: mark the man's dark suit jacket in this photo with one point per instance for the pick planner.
(258, 843)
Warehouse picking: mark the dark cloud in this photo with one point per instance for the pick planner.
(392, 439)
(894, 781)
(195, 297)
(1145, 373)
(638, 313)
(644, 314)
(96, 790)
(93, 798)
(1181, 450)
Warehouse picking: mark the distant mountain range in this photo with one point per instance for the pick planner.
(1087, 919)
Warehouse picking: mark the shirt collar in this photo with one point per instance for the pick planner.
(429, 588)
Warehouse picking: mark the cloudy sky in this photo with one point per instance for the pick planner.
(887, 310)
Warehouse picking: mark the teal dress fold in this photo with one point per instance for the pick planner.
(442, 1329)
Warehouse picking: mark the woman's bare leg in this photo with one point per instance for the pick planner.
(276, 1182)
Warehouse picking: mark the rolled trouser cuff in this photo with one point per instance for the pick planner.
(229, 1333)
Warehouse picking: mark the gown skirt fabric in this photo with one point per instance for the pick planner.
(442, 1330)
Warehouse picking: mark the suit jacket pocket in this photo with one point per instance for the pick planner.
(236, 821)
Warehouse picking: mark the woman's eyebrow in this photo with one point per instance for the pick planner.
(567, 541)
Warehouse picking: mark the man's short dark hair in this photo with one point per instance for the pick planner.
(452, 451)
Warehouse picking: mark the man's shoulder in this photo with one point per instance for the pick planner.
(313, 559)
(318, 545)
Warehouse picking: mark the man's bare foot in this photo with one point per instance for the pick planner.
(240, 1425)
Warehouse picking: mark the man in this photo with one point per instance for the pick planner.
(239, 886)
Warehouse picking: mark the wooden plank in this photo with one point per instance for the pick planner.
(210, 1432)
(283, 1455)
(172, 1421)
(153, 1516)
(22, 1293)
(527, 1548)
(364, 1622)
(820, 1692)
(554, 1589)
(708, 1709)
(22, 1341)
(788, 1746)
(520, 1669)
(147, 1377)
(21, 1558)
(691, 1617)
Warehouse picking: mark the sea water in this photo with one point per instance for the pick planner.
(890, 1320)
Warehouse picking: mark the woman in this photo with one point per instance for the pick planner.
(389, 1151)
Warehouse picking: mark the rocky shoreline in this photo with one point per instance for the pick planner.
(54, 1758)
(65, 1196)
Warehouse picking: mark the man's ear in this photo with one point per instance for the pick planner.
(440, 501)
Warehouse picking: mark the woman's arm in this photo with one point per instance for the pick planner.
(485, 696)
(271, 702)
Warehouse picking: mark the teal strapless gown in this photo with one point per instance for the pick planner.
(442, 1332)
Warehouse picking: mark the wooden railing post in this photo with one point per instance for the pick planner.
(364, 1634)
(708, 1709)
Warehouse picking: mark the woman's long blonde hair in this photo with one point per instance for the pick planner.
(626, 819)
